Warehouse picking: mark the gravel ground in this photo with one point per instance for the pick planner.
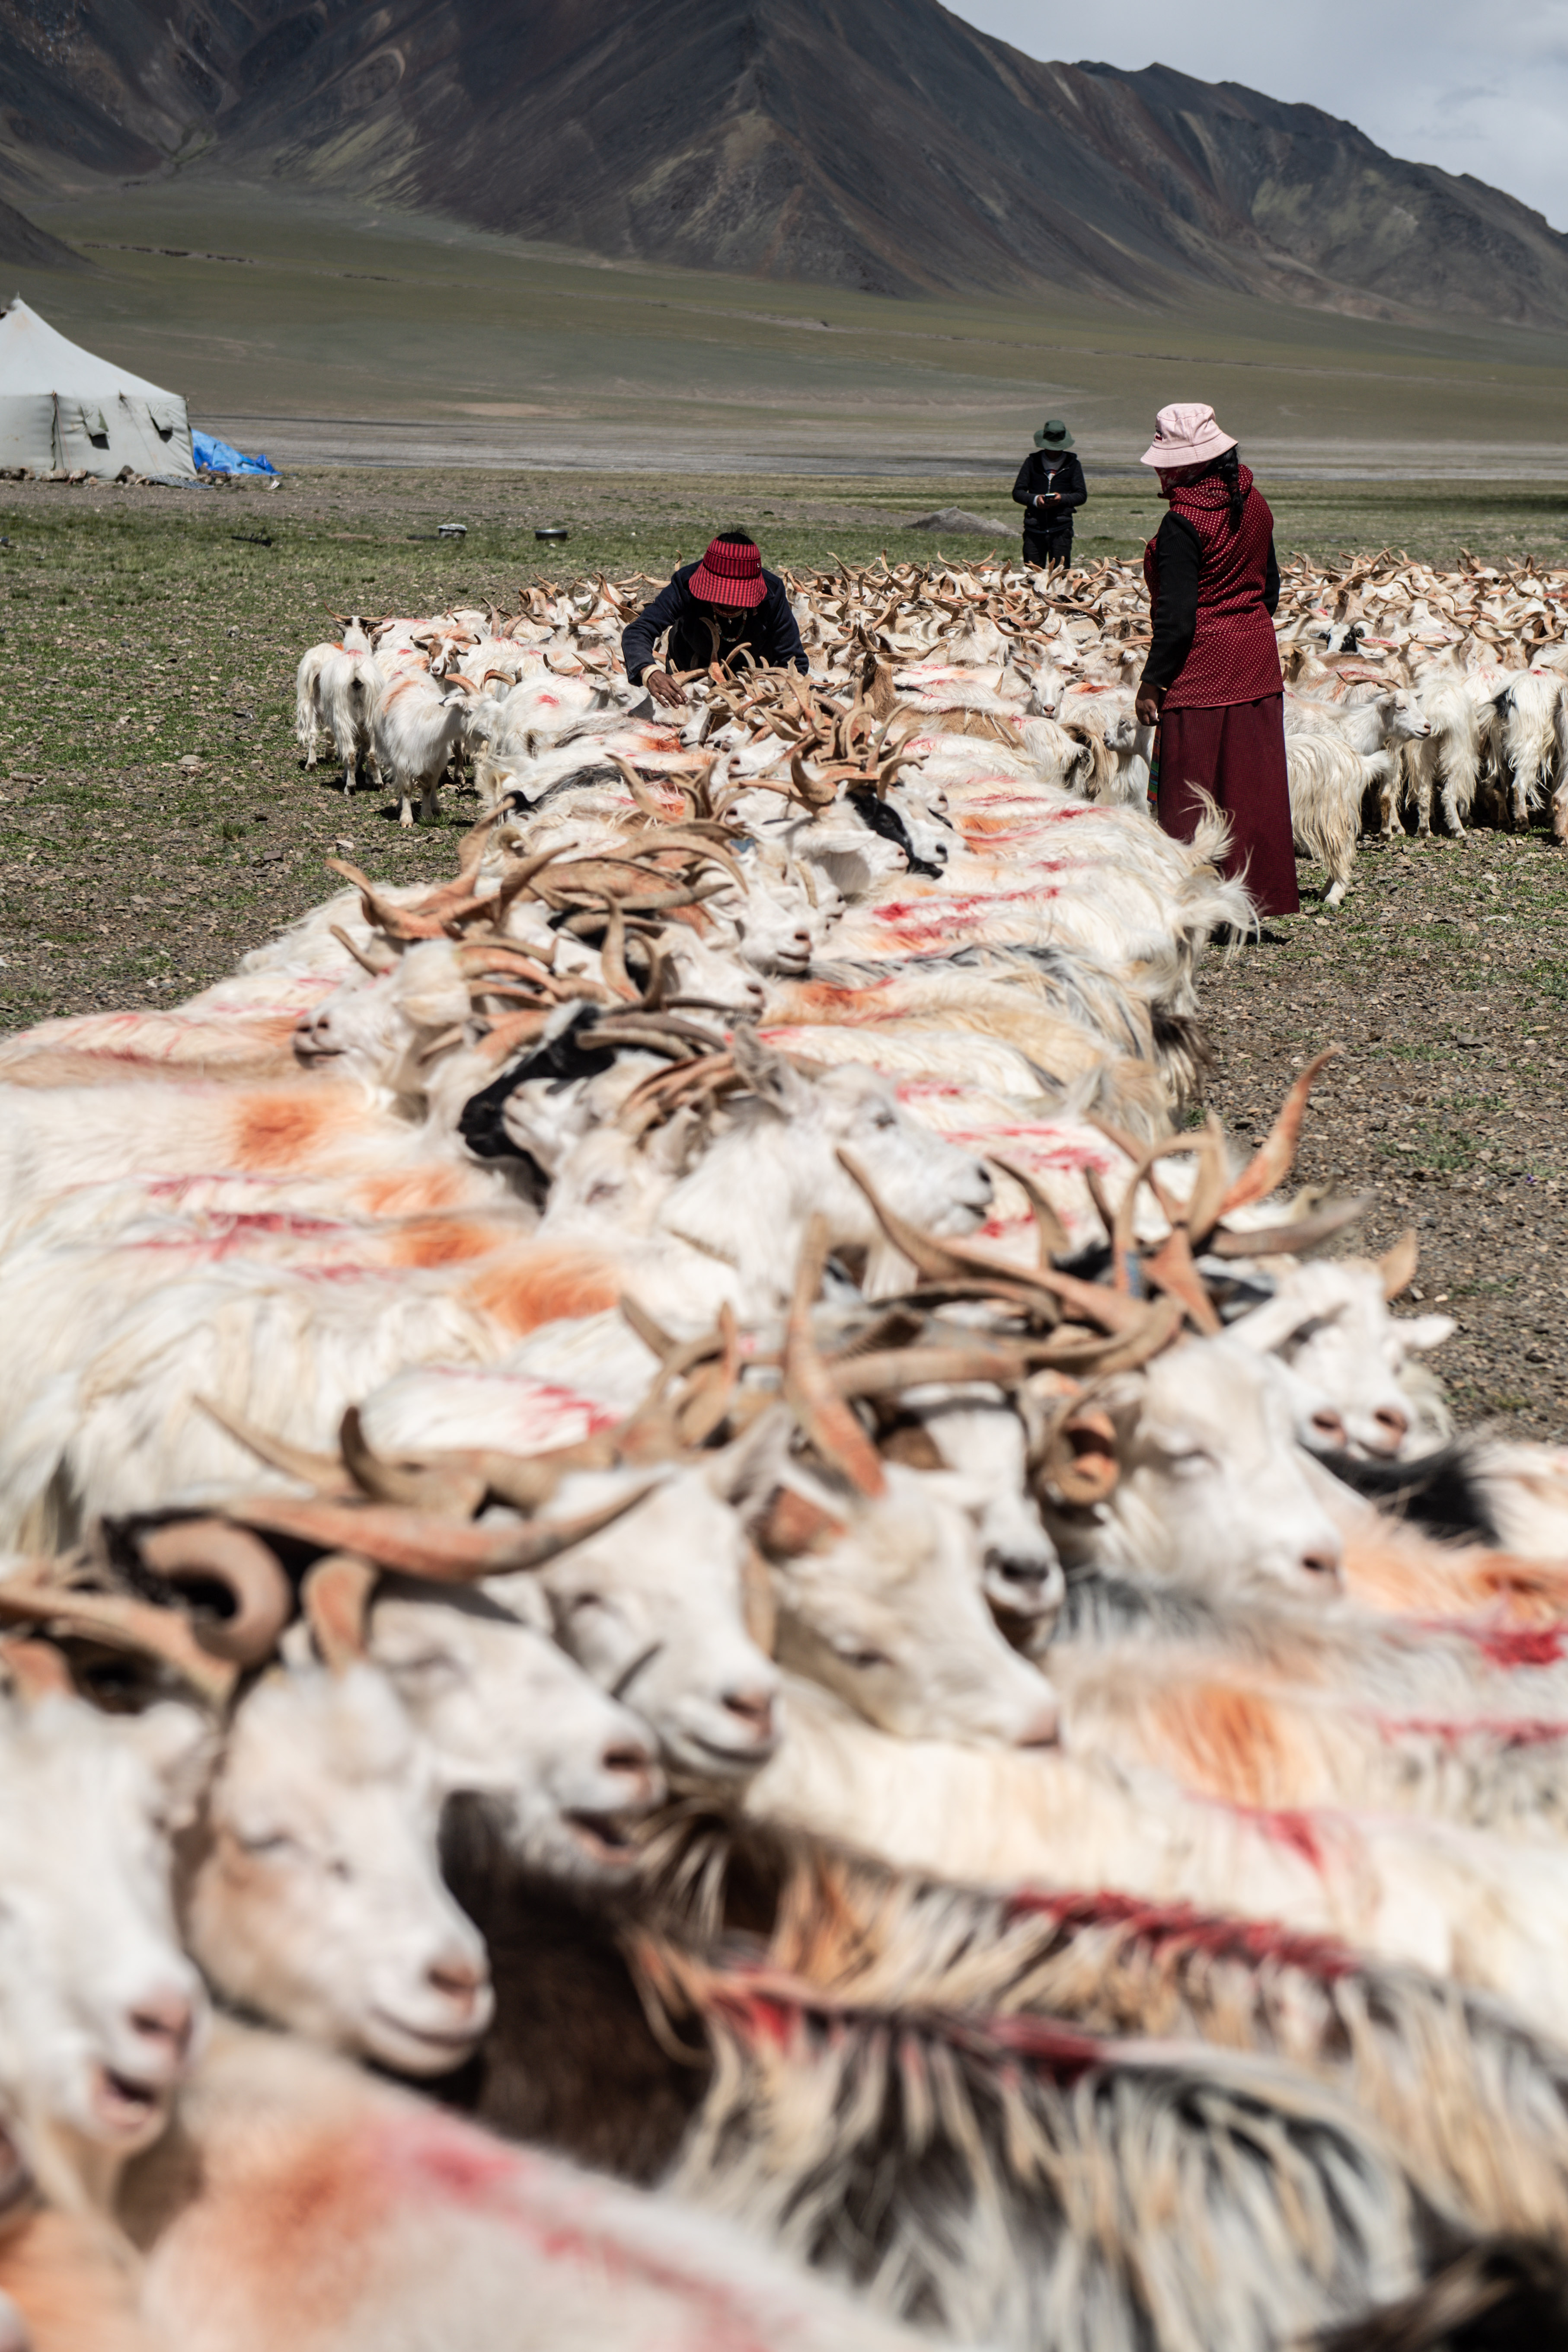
(1443, 977)
(155, 822)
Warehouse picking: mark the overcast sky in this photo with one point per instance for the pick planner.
(1471, 88)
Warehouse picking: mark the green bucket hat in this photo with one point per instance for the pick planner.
(1054, 435)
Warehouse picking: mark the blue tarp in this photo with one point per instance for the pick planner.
(215, 456)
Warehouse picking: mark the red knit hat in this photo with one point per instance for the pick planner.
(729, 574)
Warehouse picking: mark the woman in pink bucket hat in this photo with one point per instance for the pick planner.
(1212, 681)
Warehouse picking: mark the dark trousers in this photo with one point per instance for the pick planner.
(1235, 753)
(1053, 546)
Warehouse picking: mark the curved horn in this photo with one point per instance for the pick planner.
(422, 1544)
(120, 1622)
(435, 1486)
(948, 1261)
(1289, 1241)
(198, 1551)
(808, 1390)
(1054, 1238)
(335, 1599)
(323, 1471)
(1273, 1160)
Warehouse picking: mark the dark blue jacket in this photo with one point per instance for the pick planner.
(767, 630)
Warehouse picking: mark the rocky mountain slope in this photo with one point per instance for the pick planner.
(879, 143)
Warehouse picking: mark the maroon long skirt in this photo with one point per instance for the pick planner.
(1237, 752)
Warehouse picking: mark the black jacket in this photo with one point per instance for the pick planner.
(767, 631)
(1179, 552)
(1033, 479)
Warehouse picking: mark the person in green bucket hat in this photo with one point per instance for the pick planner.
(1050, 488)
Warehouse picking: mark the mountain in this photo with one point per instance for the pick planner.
(24, 246)
(882, 145)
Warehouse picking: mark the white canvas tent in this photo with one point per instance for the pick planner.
(59, 406)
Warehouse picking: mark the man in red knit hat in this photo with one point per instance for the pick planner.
(714, 611)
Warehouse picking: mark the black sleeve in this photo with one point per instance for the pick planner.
(1022, 493)
(637, 638)
(1271, 581)
(1072, 487)
(1178, 558)
(781, 634)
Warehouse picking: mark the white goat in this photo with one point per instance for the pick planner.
(339, 688)
(512, 1718)
(315, 1899)
(1214, 1491)
(417, 728)
(100, 2012)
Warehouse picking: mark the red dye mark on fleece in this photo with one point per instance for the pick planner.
(1488, 1730)
(1290, 1829)
(440, 1242)
(276, 1130)
(531, 2198)
(1512, 1646)
(1177, 1929)
(545, 1287)
(1051, 2049)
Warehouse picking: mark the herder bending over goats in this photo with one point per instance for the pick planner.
(713, 610)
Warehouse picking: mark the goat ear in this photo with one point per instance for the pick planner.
(1422, 1331)
(1397, 1265)
(768, 1076)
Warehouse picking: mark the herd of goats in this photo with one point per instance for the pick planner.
(707, 1642)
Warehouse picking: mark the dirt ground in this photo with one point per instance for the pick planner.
(155, 822)
(1443, 979)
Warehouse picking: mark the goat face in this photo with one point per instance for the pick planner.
(512, 1718)
(978, 1435)
(318, 1901)
(1213, 1490)
(699, 974)
(776, 927)
(377, 1028)
(100, 2009)
(1329, 1324)
(652, 1609)
(885, 1610)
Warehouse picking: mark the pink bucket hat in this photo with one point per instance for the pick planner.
(1187, 434)
(730, 574)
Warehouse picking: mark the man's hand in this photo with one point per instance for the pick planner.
(1147, 706)
(663, 688)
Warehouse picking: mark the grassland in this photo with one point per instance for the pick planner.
(334, 332)
(155, 822)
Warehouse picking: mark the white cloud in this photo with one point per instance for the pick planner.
(1438, 81)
